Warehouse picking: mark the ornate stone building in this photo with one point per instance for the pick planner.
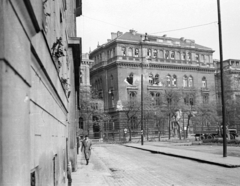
(231, 68)
(166, 63)
(91, 112)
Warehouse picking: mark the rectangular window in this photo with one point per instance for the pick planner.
(33, 178)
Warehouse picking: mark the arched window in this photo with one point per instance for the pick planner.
(136, 53)
(124, 51)
(161, 54)
(183, 56)
(174, 81)
(190, 81)
(156, 79)
(178, 55)
(206, 58)
(149, 52)
(150, 78)
(197, 57)
(154, 53)
(152, 95)
(130, 52)
(168, 80)
(189, 56)
(204, 82)
(202, 58)
(172, 54)
(167, 54)
(185, 81)
(81, 123)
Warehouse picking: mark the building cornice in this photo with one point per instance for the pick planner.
(166, 66)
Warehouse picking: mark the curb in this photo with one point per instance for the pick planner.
(187, 157)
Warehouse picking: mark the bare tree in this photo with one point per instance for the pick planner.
(131, 109)
(90, 106)
(171, 101)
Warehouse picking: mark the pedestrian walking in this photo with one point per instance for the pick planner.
(86, 146)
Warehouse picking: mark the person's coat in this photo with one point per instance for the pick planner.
(86, 145)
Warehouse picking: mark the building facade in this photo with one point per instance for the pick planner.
(231, 69)
(91, 112)
(39, 82)
(165, 62)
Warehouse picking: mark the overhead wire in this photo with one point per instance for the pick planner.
(154, 32)
(185, 28)
(104, 22)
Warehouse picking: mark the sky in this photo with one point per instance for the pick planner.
(191, 19)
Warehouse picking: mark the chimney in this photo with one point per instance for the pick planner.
(165, 35)
(182, 38)
(133, 32)
(113, 35)
(119, 33)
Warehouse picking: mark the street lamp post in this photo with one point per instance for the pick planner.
(145, 39)
(222, 83)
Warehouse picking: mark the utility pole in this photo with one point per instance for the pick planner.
(145, 39)
(222, 83)
(141, 93)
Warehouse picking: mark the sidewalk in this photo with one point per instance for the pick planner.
(93, 174)
(182, 152)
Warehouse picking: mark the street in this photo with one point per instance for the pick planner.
(119, 165)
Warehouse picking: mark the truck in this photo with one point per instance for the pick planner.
(213, 132)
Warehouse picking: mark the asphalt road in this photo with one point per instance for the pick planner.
(123, 166)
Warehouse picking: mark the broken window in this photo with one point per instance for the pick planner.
(129, 79)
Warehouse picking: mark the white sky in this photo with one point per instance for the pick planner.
(101, 17)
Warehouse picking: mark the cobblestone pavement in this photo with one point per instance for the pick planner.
(116, 165)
